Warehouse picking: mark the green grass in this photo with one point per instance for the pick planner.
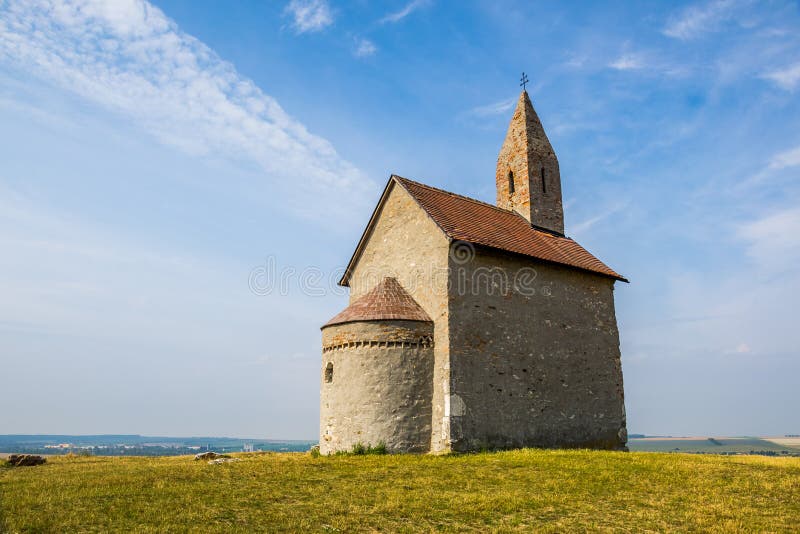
(553, 491)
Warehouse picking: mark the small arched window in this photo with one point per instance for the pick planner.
(510, 182)
(329, 373)
(544, 183)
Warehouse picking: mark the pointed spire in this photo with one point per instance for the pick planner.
(527, 176)
(528, 122)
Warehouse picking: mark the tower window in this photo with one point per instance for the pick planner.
(510, 182)
(329, 373)
(544, 183)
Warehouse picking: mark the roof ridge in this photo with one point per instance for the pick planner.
(475, 200)
(545, 231)
(459, 218)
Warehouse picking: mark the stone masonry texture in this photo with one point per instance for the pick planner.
(537, 366)
(493, 335)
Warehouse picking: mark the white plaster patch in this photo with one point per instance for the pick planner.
(456, 406)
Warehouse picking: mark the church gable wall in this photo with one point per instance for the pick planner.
(407, 245)
(535, 357)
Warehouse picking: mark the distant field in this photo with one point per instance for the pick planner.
(792, 443)
(716, 445)
(530, 490)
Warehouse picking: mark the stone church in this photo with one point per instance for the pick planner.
(475, 326)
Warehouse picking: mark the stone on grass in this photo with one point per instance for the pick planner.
(210, 455)
(222, 460)
(24, 460)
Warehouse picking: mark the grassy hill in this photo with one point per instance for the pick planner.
(519, 490)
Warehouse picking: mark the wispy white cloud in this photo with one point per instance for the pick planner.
(495, 108)
(699, 19)
(409, 8)
(309, 15)
(787, 78)
(782, 160)
(575, 61)
(787, 158)
(591, 221)
(364, 48)
(649, 61)
(773, 241)
(128, 57)
(628, 62)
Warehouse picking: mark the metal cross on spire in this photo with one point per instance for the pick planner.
(524, 81)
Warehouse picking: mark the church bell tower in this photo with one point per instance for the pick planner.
(527, 175)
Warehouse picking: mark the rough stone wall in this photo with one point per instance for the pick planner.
(381, 386)
(407, 245)
(528, 154)
(539, 369)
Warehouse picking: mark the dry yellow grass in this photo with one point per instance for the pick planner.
(546, 491)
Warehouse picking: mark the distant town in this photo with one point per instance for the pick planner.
(135, 445)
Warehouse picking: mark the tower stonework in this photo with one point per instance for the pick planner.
(527, 175)
(377, 377)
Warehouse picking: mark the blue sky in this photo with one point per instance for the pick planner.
(156, 155)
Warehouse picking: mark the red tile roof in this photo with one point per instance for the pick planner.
(466, 219)
(386, 301)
